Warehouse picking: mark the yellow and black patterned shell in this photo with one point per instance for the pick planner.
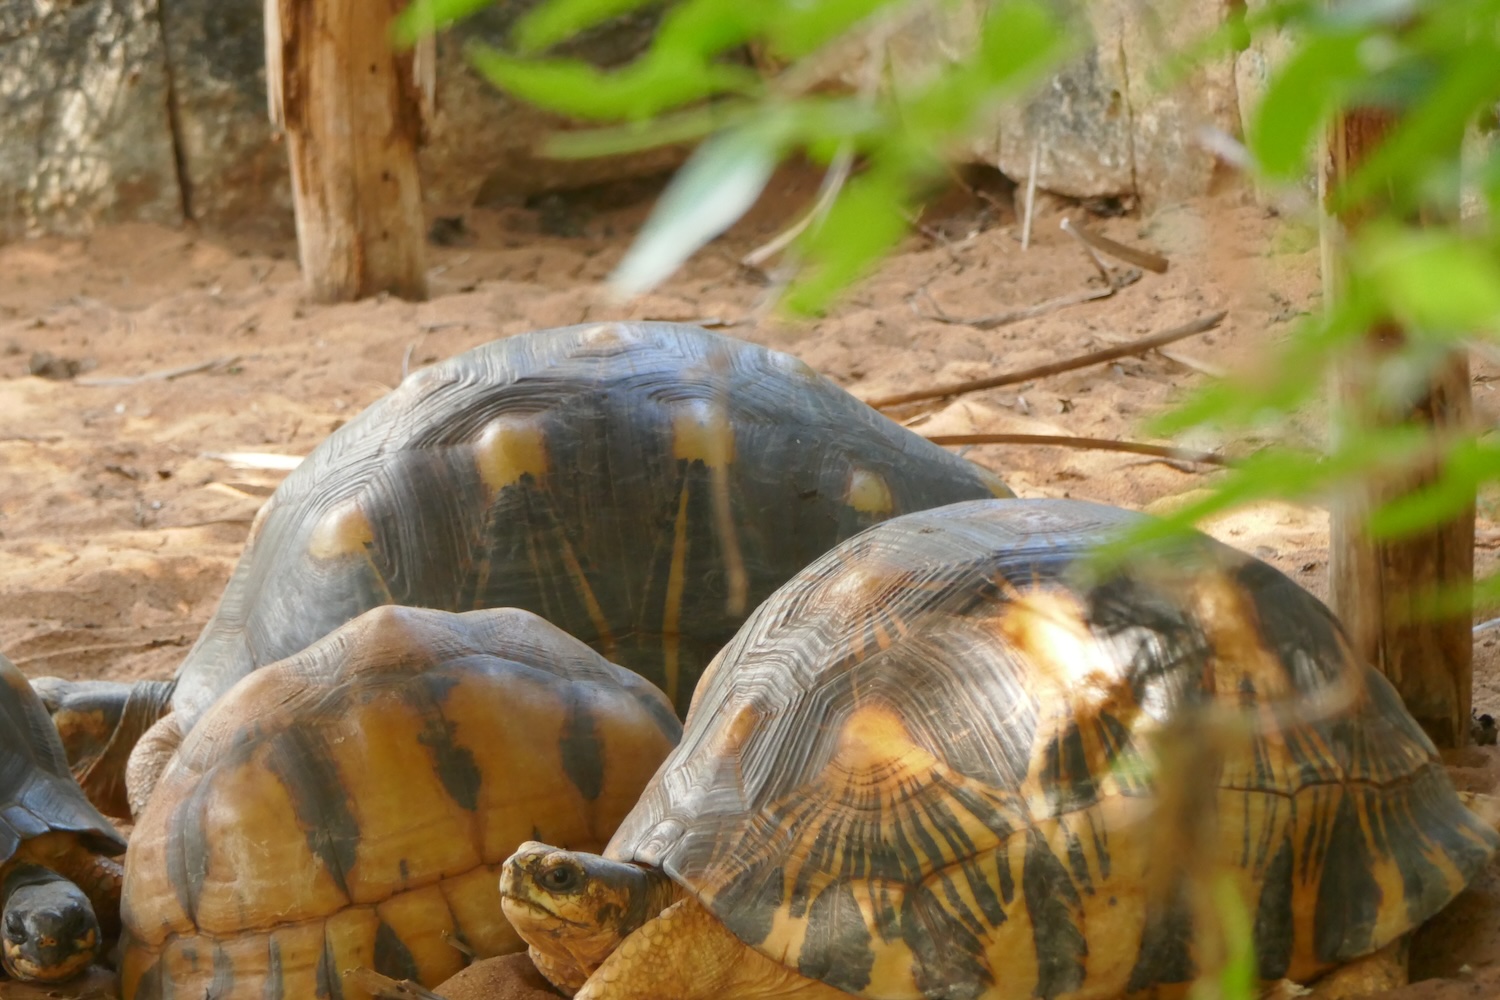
(37, 793)
(351, 806)
(642, 486)
(927, 767)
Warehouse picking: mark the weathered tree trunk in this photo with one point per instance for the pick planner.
(1380, 588)
(350, 108)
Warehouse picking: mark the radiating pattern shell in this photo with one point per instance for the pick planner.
(939, 763)
(352, 805)
(641, 485)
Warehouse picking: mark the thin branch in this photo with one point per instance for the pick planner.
(386, 988)
(1092, 254)
(1010, 316)
(165, 375)
(1036, 165)
(1095, 444)
(1200, 325)
(833, 183)
(1131, 255)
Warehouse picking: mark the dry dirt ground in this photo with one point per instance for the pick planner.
(120, 518)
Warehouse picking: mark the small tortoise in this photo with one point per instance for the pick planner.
(640, 485)
(352, 805)
(59, 887)
(929, 766)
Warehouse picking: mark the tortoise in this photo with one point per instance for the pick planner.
(934, 764)
(351, 805)
(59, 884)
(640, 485)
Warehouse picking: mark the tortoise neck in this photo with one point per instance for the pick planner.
(653, 892)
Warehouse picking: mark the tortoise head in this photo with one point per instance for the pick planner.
(573, 908)
(48, 929)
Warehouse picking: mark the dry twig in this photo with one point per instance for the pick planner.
(1030, 312)
(1131, 255)
(1096, 444)
(386, 988)
(164, 375)
(833, 183)
(1200, 325)
(1036, 165)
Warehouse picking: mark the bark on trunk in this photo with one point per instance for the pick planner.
(352, 116)
(1379, 588)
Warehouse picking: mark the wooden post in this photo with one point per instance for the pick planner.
(349, 105)
(1378, 587)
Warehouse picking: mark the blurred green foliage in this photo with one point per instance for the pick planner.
(1436, 62)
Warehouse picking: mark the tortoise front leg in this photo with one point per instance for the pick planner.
(685, 953)
(99, 723)
(149, 759)
(1376, 972)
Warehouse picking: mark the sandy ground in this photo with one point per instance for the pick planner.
(119, 520)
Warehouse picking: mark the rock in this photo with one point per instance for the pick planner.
(1080, 119)
(104, 99)
(83, 95)
(1171, 164)
(1102, 127)
(1106, 129)
(235, 168)
(482, 145)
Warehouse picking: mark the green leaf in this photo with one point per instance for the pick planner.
(803, 28)
(1238, 978)
(1276, 472)
(684, 126)
(705, 28)
(426, 17)
(868, 218)
(558, 20)
(573, 87)
(1430, 133)
(1295, 373)
(1466, 465)
(1019, 42)
(1299, 100)
(1433, 279)
(714, 188)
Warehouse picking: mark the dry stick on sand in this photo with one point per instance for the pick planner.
(166, 374)
(1097, 444)
(1030, 312)
(1200, 325)
(1131, 255)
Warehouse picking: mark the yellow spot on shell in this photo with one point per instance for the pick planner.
(874, 739)
(994, 484)
(701, 433)
(343, 531)
(509, 448)
(1049, 628)
(734, 733)
(868, 493)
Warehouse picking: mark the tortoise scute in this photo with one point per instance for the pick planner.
(939, 762)
(639, 485)
(351, 805)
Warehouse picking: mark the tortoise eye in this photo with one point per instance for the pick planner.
(15, 927)
(561, 878)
